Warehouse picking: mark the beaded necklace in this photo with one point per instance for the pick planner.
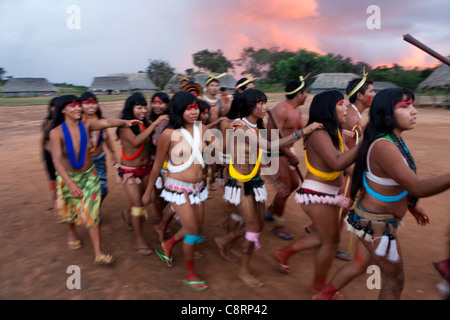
(76, 164)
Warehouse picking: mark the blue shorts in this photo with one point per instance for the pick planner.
(100, 166)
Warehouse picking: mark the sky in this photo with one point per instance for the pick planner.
(73, 41)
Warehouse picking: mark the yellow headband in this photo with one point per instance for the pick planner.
(301, 86)
(245, 82)
(213, 77)
(360, 84)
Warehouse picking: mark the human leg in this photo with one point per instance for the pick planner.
(134, 192)
(310, 240)
(191, 218)
(361, 260)
(252, 212)
(287, 182)
(325, 219)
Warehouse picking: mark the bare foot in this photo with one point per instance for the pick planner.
(144, 251)
(222, 250)
(249, 279)
(281, 263)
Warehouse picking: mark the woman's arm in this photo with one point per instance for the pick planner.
(162, 150)
(137, 140)
(397, 169)
(321, 142)
(277, 144)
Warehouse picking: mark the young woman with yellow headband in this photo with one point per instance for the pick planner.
(245, 189)
(319, 194)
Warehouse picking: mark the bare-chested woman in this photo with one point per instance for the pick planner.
(136, 165)
(78, 184)
(182, 142)
(325, 159)
(245, 189)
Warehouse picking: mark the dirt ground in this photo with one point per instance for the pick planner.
(34, 257)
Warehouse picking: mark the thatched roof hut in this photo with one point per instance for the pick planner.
(110, 85)
(380, 85)
(435, 88)
(438, 79)
(331, 81)
(28, 87)
(138, 81)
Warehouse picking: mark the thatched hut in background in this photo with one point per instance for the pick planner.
(110, 85)
(433, 91)
(331, 81)
(339, 81)
(28, 87)
(380, 85)
(138, 82)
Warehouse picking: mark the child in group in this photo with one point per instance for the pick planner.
(78, 184)
(46, 149)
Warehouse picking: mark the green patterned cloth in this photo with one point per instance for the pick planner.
(83, 211)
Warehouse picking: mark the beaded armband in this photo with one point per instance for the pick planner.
(297, 136)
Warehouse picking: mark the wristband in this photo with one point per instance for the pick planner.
(298, 135)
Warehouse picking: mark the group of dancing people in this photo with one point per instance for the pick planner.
(349, 181)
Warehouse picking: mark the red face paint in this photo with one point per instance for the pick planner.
(192, 106)
(403, 103)
(340, 102)
(157, 100)
(73, 104)
(90, 101)
(369, 100)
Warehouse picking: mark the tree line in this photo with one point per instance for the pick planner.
(274, 66)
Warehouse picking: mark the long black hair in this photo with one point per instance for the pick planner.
(61, 103)
(244, 103)
(323, 110)
(90, 96)
(382, 121)
(177, 106)
(164, 98)
(51, 104)
(136, 99)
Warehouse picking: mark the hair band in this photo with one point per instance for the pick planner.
(301, 85)
(245, 82)
(360, 84)
(213, 77)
